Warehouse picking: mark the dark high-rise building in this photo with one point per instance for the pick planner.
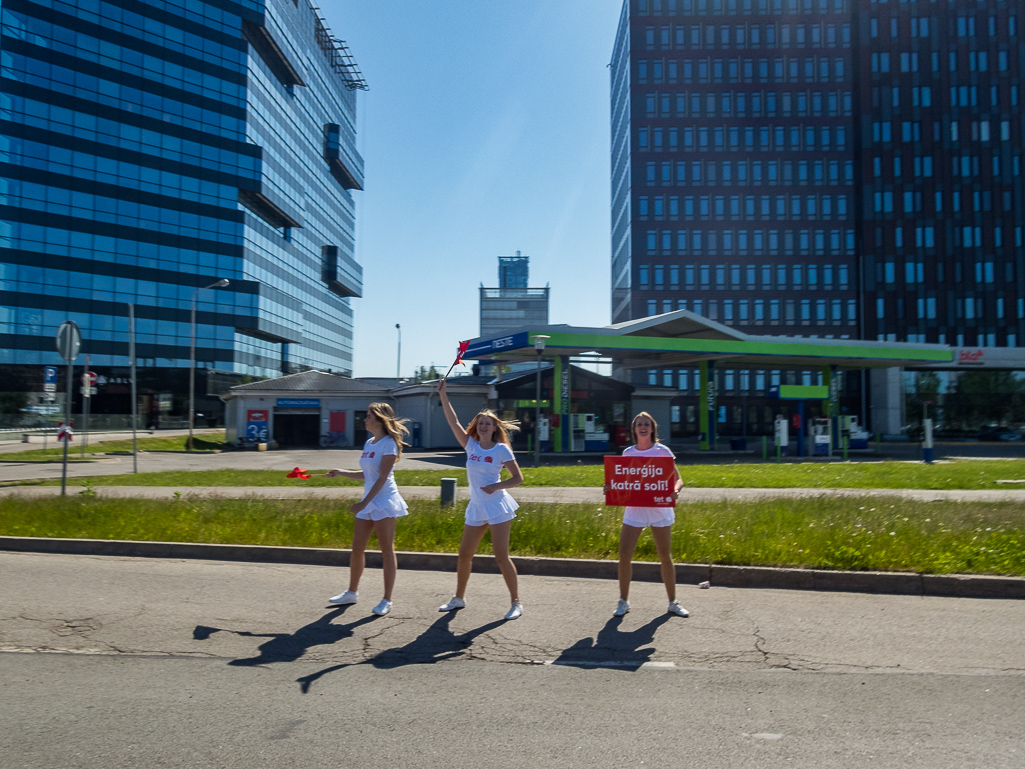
(150, 149)
(820, 168)
(939, 165)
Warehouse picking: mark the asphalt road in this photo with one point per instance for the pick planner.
(164, 663)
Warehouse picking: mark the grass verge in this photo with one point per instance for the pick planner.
(842, 533)
(964, 474)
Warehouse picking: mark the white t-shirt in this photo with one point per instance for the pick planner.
(388, 503)
(647, 515)
(484, 467)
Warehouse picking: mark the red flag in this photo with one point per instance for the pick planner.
(298, 473)
(459, 357)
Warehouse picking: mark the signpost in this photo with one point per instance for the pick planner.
(88, 390)
(135, 400)
(69, 342)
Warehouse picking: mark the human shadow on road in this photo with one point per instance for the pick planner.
(288, 647)
(613, 648)
(436, 644)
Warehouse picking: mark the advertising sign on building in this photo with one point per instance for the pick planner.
(639, 481)
(257, 424)
(292, 403)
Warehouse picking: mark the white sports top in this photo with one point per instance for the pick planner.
(484, 467)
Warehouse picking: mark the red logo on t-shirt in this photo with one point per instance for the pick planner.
(366, 455)
(487, 459)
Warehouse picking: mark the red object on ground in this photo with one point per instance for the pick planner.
(298, 473)
(639, 481)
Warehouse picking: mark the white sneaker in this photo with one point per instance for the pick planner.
(515, 611)
(621, 608)
(454, 603)
(382, 608)
(675, 608)
(343, 599)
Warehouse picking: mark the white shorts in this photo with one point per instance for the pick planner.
(503, 517)
(646, 518)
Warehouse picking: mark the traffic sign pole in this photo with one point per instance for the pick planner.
(69, 341)
(135, 401)
(87, 384)
(67, 421)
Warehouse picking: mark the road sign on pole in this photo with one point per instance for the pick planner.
(49, 379)
(69, 340)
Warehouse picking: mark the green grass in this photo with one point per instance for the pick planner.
(836, 533)
(201, 442)
(965, 474)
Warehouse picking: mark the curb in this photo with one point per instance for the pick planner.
(892, 583)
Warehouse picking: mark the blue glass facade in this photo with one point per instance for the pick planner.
(149, 149)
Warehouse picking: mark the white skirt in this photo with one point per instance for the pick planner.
(384, 505)
(496, 508)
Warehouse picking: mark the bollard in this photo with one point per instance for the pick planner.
(927, 441)
(448, 491)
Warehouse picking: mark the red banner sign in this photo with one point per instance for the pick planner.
(256, 415)
(639, 481)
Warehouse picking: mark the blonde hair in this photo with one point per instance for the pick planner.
(394, 427)
(654, 427)
(502, 427)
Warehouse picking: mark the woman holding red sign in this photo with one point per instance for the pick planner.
(660, 519)
(488, 452)
(381, 504)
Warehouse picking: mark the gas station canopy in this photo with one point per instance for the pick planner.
(682, 339)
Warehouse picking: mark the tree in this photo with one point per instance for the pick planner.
(12, 403)
(926, 389)
(986, 397)
(426, 374)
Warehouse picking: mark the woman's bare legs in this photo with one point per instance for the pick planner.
(663, 536)
(472, 535)
(500, 547)
(361, 531)
(628, 537)
(385, 529)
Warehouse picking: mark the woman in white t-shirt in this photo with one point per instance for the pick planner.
(381, 503)
(660, 519)
(488, 451)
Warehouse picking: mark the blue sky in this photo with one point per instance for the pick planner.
(485, 131)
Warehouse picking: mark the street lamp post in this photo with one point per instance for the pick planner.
(192, 356)
(398, 356)
(539, 346)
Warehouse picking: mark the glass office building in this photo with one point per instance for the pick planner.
(819, 168)
(152, 148)
(513, 304)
